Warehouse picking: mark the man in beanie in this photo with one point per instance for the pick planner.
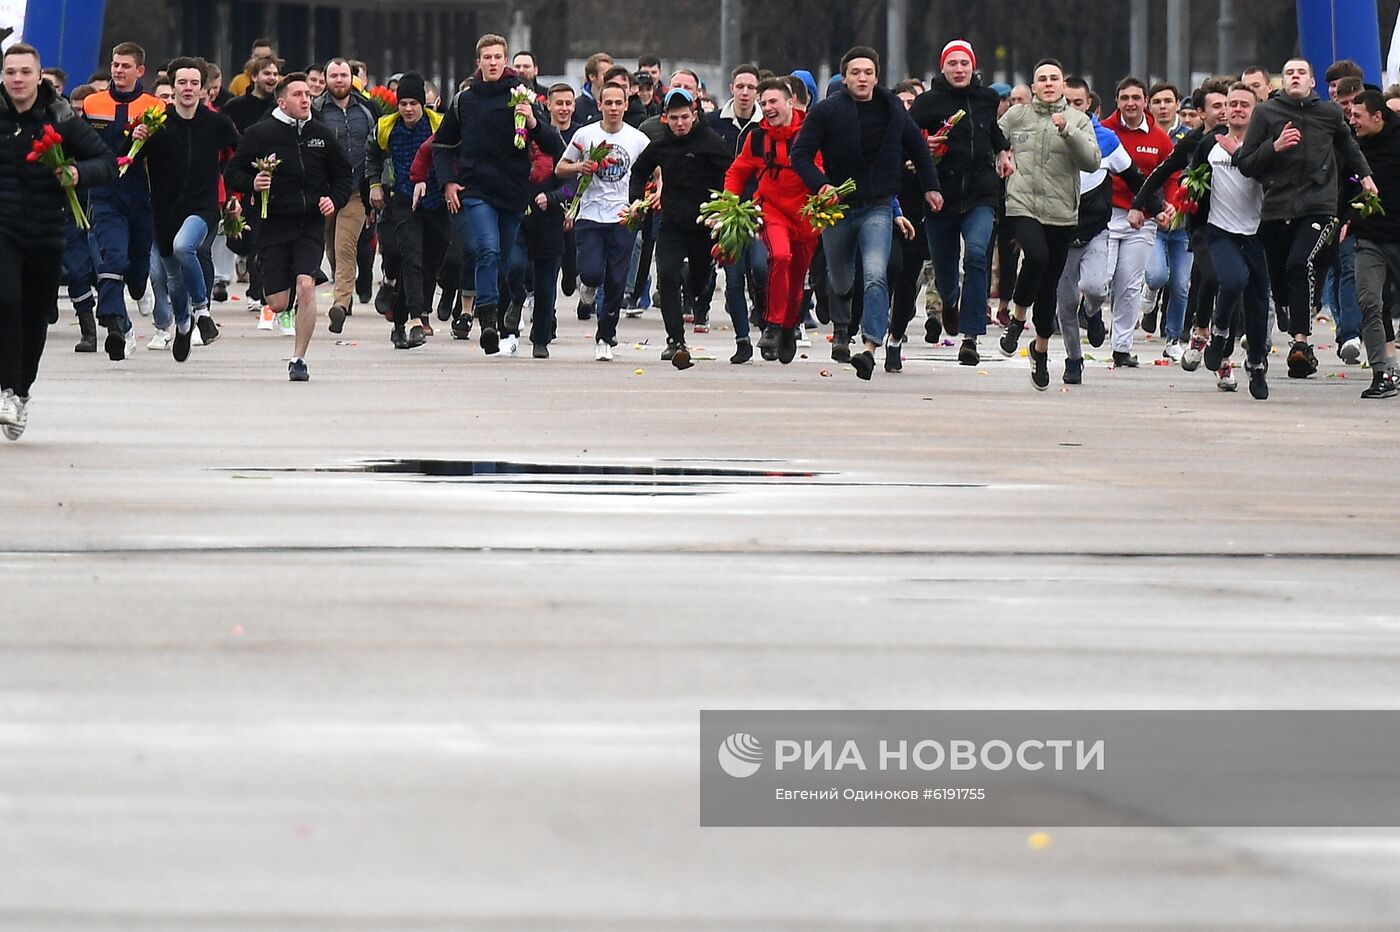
(972, 156)
(419, 223)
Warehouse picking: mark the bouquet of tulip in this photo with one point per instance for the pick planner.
(266, 164)
(232, 224)
(388, 101)
(48, 149)
(599, 153)
(824, 210)
(520, 95)
(635, 213)
(940, 149)
(1367, 203)
(154, 121)
(1187, 200)
(733, 224)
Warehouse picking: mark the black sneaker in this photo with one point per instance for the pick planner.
(337, 316)
(541, 351)
(1281, 317)
(840, 345)
(1258, 384)
(512, 320)
(768, 343)
(462, 328)
(681, 357)
(864, 363)
(296, 371)
(208, 330)
(569, 285)
(1215, 352)
(967, 353)
(1124, 360)
(180, 348)
(894, 357)
(743, 352)
(490, 338)
(219, 292)
(1094, 328)
(1074, 372)
(1040, 368)
(933, 330)
(1382, 386)
(585, 310)
(398, 337)
(445, 305)
(1011, 337)
(416, 337)
(1299, 366)
(669, 352)
(1149, 322)
(787, 345)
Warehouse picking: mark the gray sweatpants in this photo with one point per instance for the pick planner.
(1088, 270)
(1376, 263)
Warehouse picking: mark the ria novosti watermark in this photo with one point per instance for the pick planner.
(1050, 768)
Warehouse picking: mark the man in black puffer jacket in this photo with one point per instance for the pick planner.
(973, 157)
(33, 213)
(487, 184)
(312, 181)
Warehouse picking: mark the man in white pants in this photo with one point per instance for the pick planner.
(1147, 145)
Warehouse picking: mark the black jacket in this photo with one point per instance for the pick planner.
(832, 128)
(33, 206)
(967, 172)
(691, 167)
(312, 166)
(183, 160)
(1302, 181)
(636, 113)
(246, 110)
(478, 130)
(1382, 153)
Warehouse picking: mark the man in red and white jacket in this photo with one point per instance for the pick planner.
(1147, 144)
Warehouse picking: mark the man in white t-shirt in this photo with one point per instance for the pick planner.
(1236, 251)
(604, 244)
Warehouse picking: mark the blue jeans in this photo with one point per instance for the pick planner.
(753, 260)
(1243, 272)
(975, 228)
(868, 229)
(486, 230)
(1171, 265)
(603, 252)
(185, 272)
(1339, 292)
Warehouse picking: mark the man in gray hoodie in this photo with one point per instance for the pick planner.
(1296, 147)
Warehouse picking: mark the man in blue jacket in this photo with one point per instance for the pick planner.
(863, 133)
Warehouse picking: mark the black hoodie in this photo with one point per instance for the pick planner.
(1382, 152)
(311, 166)
(691, 167)
(1302, 181)
(184, 161)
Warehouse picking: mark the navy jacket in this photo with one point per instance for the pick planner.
(832, 128)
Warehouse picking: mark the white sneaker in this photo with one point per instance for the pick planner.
(802, 341)
(510, 346)
(586, 294)
(9, 407)
(1350, 351)
(13, 430)
(265, 317)
(254, 305)
(1174, 352)
(130, 342)
(603, 352)
(161, 340)
(1225, 378)
(632, 313)
(147, 302)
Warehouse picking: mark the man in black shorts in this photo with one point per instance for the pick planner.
(312, 181)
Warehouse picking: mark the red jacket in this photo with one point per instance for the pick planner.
(1147, 147)
(422, 165)
(767, 151)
